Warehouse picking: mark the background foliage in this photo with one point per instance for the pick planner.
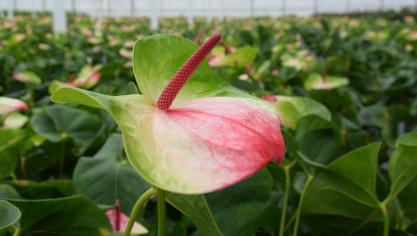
(347, 89)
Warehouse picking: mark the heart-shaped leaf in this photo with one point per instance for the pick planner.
(9, 215)
(247, 200)
(108, 170)
(58, 123)
(344, 192)
(157, 58)
(195, 207)
(403, 176)
(9, 150)
(70, 216)
(312, 133)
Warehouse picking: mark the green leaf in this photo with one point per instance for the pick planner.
(58, 123)
(246, 200)
(195, 207)
(313, 133)
(318, 82)
(157, 58)
(8, 192)
(344, 192)
(9, 150)
(403, 163)
(62, 216)
(9, 215)
(53, 188)
(403, 176)
(292, 109)
(108, 176)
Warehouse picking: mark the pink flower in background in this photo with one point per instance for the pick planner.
(9, 105)
(87, 78)
(270, 98)
(119, 220)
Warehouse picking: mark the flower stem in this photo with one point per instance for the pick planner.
(161, 212)
(16, 231)
(287, 170)
(137, 207)
(61, 159)
(300, 204)
(384, 211)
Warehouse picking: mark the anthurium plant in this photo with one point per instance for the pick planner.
(167, 139)
(188, 132)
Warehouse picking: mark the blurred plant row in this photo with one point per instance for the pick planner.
(346, 90)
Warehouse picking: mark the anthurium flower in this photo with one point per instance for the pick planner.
(27, 77)
(192, 133)
(325, 82)
(9, 105)
(229, 56)
(87, 78)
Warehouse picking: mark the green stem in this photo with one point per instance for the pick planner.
(161, 212)
(287, 170)
(384, 211)
(137, 207)
(300, 204)
(16, 231)
(61, 159)
(13, 175)
(32, 96)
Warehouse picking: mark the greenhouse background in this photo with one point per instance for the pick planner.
(208, 117)
(154, 9)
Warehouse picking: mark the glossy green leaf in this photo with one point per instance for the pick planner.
(62, 216)
(313, 133)
(403, 163)
(8, 192)
(292, 109)
(108, 176)
(195, 207)
(54, 188)
(345, 192)
(58, 123)
(9, 150)
(246, 200)
(9, 214)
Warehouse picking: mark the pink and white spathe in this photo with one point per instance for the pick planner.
(197, 144)
(228, 138)
(210, 143)
(9, 105)
(88, 78)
